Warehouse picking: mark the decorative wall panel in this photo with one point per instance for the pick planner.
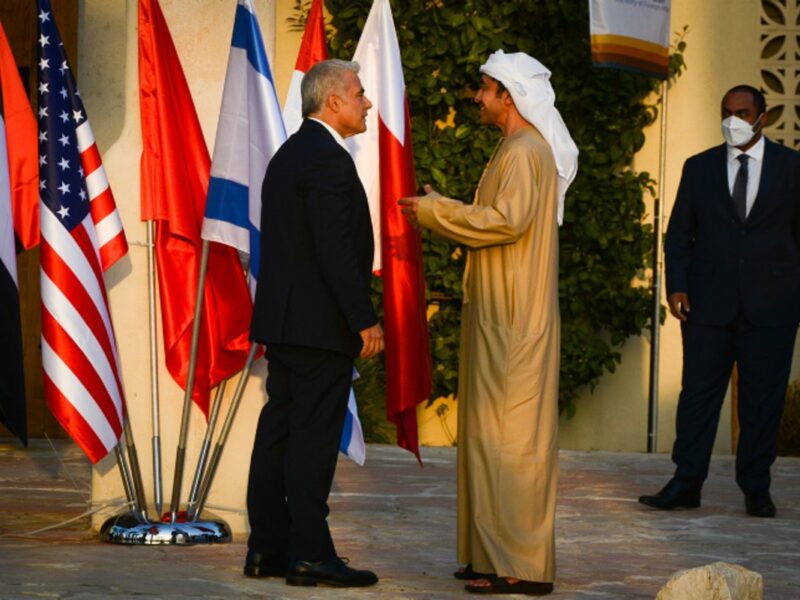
(780, 69)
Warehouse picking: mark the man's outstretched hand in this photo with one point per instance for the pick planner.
(408, 206)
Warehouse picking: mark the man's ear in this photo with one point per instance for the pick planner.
(333, 102)
(507, 99)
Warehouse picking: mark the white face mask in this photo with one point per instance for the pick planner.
(738, 132)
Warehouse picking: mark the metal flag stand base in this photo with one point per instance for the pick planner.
(126, 528)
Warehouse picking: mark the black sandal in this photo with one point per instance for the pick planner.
(500, 585)
(467, 574)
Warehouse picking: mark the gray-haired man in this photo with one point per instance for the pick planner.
(314, 314)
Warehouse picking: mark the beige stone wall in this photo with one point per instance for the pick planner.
(108, 80)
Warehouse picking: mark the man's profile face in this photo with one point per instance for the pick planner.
(492, 105)
(352, 117)
(742, 105)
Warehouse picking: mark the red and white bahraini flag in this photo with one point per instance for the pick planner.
(385, 163)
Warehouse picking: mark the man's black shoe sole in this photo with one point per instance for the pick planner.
(678, 506)
(302, 580)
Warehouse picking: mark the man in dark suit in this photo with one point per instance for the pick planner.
(733, 280)
(314, 314)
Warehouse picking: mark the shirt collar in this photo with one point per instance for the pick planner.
(336, 135)
(755, 153)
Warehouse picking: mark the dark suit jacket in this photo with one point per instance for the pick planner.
(316, 247)
(726, 266)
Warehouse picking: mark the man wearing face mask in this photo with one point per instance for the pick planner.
(733, 279)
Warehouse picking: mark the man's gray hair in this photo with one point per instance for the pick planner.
(324, 78)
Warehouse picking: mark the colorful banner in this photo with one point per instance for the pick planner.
(631, 34)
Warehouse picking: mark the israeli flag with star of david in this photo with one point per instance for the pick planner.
(249, 132)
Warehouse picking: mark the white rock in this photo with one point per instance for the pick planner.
(717, 581)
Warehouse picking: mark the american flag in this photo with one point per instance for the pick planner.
(81, 237)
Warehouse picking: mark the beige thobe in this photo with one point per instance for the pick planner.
(509, 359)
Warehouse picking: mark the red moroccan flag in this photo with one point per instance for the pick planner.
(174, 178)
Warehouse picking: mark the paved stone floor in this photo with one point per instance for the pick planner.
(397, 519)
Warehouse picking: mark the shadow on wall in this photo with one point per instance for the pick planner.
(102, 40)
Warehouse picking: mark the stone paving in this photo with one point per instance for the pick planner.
(397, 519)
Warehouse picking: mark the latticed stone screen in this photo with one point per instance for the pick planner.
(780, 69)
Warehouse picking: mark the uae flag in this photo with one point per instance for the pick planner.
(18, 206)
(385, 162)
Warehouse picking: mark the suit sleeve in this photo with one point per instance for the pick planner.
(796, 188)
(680, 236)
(503, 222)
(329, 209)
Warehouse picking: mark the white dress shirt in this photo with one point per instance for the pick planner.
(754, 163)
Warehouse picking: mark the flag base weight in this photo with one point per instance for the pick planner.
(125, 528)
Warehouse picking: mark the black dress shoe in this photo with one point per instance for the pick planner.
(759, 505)
(674, 495)
(262, 565)
(333, 572)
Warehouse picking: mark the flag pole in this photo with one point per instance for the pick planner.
(194, 511)
(132, 494)
(134, 527)
(180, 455)
(136, 472)
(125, 475)
(202, 460)
(655, 325)
(156, 419)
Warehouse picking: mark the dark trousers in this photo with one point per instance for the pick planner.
(763, 356)
(295, 452)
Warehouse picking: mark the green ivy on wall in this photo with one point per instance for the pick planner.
(605, 245)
